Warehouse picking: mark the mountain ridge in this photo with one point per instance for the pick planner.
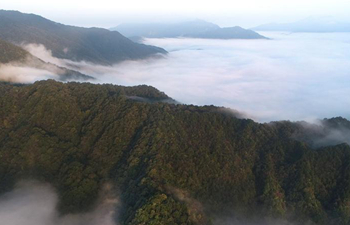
(192, 29)
(16, 56)
(172, 163)
(95, 45)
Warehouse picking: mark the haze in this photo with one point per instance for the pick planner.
(118, 155)
(108, 13)
(292, 77)
(34, 203)
(301, 76)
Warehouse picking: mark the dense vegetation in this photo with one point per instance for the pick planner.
(95, 45)
(17, 56)
(10, 52)
(173, 164)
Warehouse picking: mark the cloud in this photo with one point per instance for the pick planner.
(201, 214)
(23, 74)
(325, 133)
(297, 77)
(43, 53)
(34, 203)
(334, 137)
(294, 76)
(43, 66)
(195, 209)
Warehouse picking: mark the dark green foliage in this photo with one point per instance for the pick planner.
(94, 45)
(324, 133)
(173, 164)
(10, 52)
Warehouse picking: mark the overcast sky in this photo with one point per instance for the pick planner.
(247, 13)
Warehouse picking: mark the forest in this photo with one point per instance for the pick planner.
(172, 163)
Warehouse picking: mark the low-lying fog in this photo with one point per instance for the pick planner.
(34, 203)
(295, 76)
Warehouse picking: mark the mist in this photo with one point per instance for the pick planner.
(34, 203)
(23, 74)
(324, 133)
(31, 69)
(293, 76)
(249, 13)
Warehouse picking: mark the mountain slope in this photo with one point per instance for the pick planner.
(310, 24)
(10, 52)
(195, 29)
(16, 56)
(228, 33)
(94, 45)
(327, 132)
(172, 164)
(159, 30)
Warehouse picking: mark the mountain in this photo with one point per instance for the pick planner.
(310, 24)
(95, 45)
(160, 30)
(10, 53)
(195, 29)
(170, 163)
(228, 33)
(16, 56)
(324, 133)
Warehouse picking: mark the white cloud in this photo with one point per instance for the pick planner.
(294, 76)
(34, 203)
(23, 74)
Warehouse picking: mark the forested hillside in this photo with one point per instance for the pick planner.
(10, 52)
(95, 45)
(12, 55)
(173, 164)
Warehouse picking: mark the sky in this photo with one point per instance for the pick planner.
(248, 13)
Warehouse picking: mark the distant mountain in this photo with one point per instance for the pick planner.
(194, 29)
(228, 33)
(94, 45)
(163, 30)
(310, 24)
(16, 56)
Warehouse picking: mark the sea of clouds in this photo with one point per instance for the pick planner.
(292, 76)
(295, 76)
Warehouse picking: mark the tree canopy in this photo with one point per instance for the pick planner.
(173, 163)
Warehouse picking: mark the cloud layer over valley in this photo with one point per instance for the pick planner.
(293, 76)
(23, 74)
